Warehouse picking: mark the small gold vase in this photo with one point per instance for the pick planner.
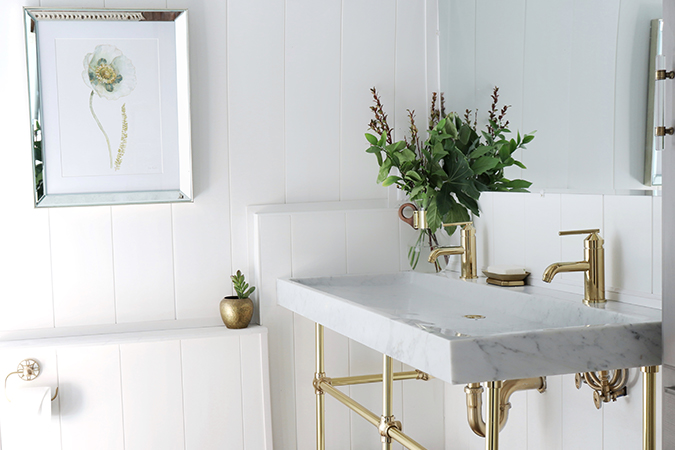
(236, 312)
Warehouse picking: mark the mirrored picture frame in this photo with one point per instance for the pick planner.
(109, 97)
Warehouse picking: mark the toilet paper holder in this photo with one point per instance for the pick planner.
(27, 370)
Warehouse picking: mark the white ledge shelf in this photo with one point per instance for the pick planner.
(164, 330)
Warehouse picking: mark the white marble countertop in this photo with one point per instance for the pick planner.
(420, 319)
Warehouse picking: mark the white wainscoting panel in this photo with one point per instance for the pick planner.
(152, 383)
(212, 393)
(90, 395)
(542, 243)
(544, 416)
(628, 243)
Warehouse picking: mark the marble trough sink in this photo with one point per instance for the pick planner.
(469, 331)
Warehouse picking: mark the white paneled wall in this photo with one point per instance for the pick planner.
(575, 71)
(149, 391)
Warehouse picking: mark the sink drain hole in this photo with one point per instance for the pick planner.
(474, 316)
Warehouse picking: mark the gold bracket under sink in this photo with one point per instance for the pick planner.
(606, 388)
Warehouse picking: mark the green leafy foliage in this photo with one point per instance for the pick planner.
(241, 286)
(446, 173)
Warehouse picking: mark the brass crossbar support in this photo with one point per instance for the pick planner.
(649, 407)
(377, 378)
(389, 428)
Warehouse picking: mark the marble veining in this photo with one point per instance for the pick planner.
(420, 319)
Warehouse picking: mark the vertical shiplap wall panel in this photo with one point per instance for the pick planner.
(151, 382)
(581, 421)
(542, 243)
(25, 270)
(368, 59)
(593, 58)
(503, 66)
(459, 40)
(82, 266)
(275, 262)
(253, 391)
(212, 393)
(90, 397)
(312, 108)
(143, 263)
(547, 109)
(544, 416)
(319, 249)
(255, 74)
(657, 245)
(509, 234)
(372, 241)
(411, 68)
(432, 47)
(632, 64)
(628, 243)
(318, 244)
(201, 230)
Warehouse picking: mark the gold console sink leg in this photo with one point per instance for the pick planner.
(492, 424)
(320, 397)
(649, 407)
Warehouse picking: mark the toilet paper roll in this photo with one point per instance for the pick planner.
(31, 401)
(27, 417)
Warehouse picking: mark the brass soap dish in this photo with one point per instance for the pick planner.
(501, 279)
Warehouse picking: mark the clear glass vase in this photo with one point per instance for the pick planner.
(418, 251)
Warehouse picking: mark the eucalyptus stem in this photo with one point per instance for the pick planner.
(91, 108)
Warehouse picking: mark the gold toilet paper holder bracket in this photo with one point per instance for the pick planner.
(27, 370)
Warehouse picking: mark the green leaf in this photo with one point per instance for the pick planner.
(464, 133)
(390, 180)
(518, 184)
(384, 170)
(483, 164)
(528, 138)
(434, 219)
(519, 164)
(480, 151)
(413, 176)
(406, 155)
(372, 139)
(468, 202)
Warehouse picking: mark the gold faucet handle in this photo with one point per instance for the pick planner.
(455, 224)
(567, 233)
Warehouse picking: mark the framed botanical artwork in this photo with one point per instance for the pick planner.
(109, 106)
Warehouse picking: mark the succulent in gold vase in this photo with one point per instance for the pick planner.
(237, 310)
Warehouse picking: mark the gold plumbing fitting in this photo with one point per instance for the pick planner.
(605, 389)
(422, 375)
(474, 401)
(386, 424)
(316, 382)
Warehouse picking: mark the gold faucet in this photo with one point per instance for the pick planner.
(593, 266)
(467, 249)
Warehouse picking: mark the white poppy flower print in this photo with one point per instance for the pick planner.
(109, 73)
